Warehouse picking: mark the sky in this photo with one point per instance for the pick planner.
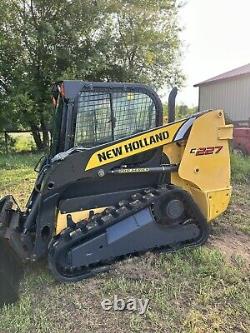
(216, 39)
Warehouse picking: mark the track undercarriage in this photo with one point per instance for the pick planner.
(157, 218)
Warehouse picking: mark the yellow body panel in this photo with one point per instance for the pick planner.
(203, 159)
(210, 171)
(76, 217)
(134, 145)
(205, 163)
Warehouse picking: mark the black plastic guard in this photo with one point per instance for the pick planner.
(11, 268)
(11, 273)
(6, 205)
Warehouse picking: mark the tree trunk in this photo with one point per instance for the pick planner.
(45, 132)
(37, 137)
(41, 136)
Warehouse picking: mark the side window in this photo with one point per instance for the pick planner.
(133, 113)
(105, 117)
(93, 122)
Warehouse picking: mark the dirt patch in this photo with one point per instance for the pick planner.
(232, 245)
(138, 268)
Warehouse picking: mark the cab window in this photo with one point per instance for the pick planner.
(104, 117)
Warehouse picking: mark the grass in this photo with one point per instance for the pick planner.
(17, 175)
(240, 168)
(18, 142)
(189, 291)
(237, 216)
(204, 290)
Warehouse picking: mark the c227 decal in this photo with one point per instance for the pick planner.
(206, 150)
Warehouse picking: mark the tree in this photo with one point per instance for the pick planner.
(147, 47)
(48, 40)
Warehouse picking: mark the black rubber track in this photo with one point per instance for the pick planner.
(73, 236)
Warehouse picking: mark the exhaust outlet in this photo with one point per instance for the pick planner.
(171, 105)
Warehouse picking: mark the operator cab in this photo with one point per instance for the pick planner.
(92, 114)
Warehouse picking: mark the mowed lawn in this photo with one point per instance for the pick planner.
(203, 290)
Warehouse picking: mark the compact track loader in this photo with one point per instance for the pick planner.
(117, 182)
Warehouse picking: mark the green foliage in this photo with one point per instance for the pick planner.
(24, 143)
(17, 143)
(11, 143)
(42, 41)
(181, 111)
(240, 167)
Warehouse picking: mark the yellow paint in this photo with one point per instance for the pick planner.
(76, 217)
(225, 132)
(94, 161)
(218, 202)
(175, 152)
(205, 177)
(211, 172)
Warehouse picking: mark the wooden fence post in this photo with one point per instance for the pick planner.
(6, 142)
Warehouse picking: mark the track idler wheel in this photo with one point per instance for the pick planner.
(11, 273)
(169, 210)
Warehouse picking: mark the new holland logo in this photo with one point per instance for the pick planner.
(133, 146)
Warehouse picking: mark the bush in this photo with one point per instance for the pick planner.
(11, 143)
(24, 143)
(17, 143)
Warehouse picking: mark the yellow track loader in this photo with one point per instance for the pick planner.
(117, 182)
